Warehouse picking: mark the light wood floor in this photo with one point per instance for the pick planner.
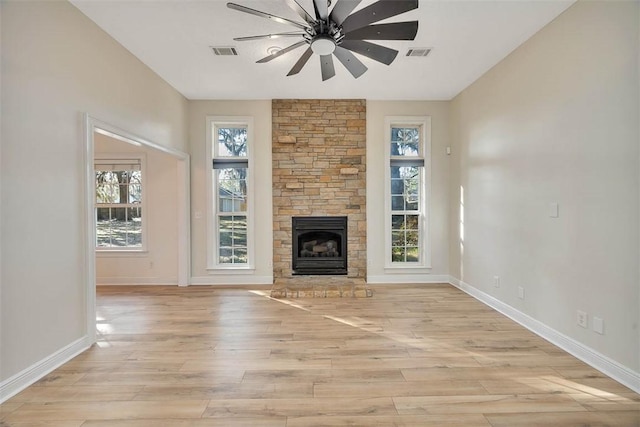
(409, 356)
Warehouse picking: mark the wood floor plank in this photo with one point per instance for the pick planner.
(110, 410)
(397, 388)
(208, 422)
(460, 420)
(486, 404)
(299, 407)
(77, 393)
(227, 391)
(412, 355)
(565, 419)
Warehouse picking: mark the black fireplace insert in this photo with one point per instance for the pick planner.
(319, 245)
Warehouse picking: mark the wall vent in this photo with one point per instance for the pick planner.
(419, 51)
(224, 51)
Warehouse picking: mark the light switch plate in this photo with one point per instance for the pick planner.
(554, 210)
(598, 325)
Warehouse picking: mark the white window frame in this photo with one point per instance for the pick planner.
(122, 158)
(213, 244)
(424, 122)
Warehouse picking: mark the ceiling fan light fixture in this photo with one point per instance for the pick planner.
(323, 45)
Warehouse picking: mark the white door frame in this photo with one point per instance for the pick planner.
(91, 126)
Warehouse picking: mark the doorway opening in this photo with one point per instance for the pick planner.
(124, 225)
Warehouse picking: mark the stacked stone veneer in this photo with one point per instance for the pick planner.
(319, 170)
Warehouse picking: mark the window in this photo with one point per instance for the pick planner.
(407, 154)
(119, 204)
(229, 231)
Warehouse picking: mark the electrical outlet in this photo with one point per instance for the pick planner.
(496, 281)
(581, 318)
(520, 292)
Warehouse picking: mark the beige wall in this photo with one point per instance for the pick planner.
(263, 227)
(556, 122)
(56, 65)
(159, 263)
(438, 209)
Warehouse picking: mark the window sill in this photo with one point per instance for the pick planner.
(231, 270)
(121, 253)
(407, 269)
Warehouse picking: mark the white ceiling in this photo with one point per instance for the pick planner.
(173, 38)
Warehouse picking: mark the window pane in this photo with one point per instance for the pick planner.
(107, 187)
(225, 238)
(397, 254)
(134, 227)
(119, 226)
(225, 256)
(412, 222)
(135, 177)
(408, 171)
(397, 222)
(239, 238)
(135, 193)
(232, 142)
(411, 206)
(397, 186)
(405, 141)
(412, 238)
(240, 256)
(123, 193)
(412, 254)
(103, 227)
(397, 203)
(397, 238)
(232, 189)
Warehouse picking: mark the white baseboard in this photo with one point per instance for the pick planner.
(33, 373)
(588, 355)
(232, 279)
(136, 281)
(406, 279)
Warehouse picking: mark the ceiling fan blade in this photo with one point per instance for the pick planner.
(269, 36)
(322, 9)
(393, 31)
(301, 11)
(301, 62)
(342, 9)
(326, 64)
(282, 52)
(371, 50)
(349, 60)
(279, 19)
(378, 11)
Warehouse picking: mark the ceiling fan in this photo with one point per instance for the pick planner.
(340, 33)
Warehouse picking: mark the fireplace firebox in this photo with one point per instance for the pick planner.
(319, 245)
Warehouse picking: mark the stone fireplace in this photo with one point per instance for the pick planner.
(319, 168)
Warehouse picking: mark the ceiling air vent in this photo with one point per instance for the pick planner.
(419, 51)
(224, 51)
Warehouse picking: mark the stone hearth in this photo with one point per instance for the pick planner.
(319, 161)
